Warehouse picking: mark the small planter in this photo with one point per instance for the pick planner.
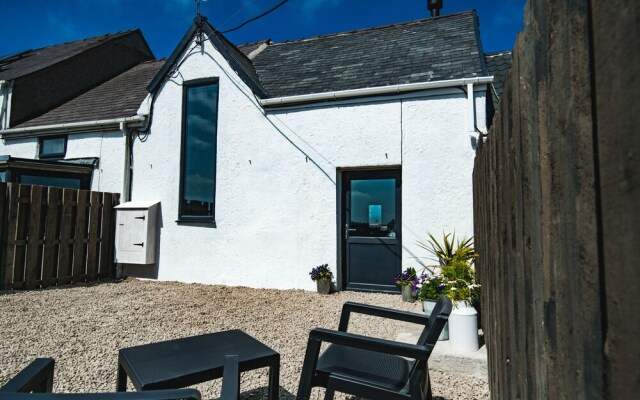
(464, 327)
(407, 293)
(324, 286)
(428, 306)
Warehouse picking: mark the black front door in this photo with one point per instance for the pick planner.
(371, 242)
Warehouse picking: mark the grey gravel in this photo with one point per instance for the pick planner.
(83, 327)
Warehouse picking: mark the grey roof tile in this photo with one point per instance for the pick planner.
(498, 64)
(431, 49)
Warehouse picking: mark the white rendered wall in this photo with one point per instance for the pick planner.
(276, 178)
(109, 147)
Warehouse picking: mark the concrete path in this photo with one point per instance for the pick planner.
(445, 358)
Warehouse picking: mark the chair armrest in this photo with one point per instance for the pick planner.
(373, 344)
(35, 377)
(389, 313)
(230, 379)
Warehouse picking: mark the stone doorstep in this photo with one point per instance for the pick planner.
(444, 358)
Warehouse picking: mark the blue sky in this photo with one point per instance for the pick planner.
(29, 24)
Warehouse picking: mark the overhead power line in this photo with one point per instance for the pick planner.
(272, 9)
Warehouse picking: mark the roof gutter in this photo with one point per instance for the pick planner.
(373, 91)
(86, 126)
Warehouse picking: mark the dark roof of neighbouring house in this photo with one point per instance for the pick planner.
(498, 64)
(29, 61)
(118, 97)
(432, 49)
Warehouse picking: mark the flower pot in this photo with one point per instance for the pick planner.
(323, 286)
(407, 293)
(428, 306)
(463, 324)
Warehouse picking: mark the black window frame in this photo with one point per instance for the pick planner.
(206, 219)
(52, 155)
(17, 167)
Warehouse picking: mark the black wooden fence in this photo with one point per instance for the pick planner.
(557, 200)
(51, 236)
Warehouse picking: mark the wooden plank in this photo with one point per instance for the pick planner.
(112, 235)
(94, 229)
(51, 237)
(33, 270)
(10, 227)
(24, 191)
(617, 95)
(80, 233)
(65, 249)
(4, 220)
(105, 232)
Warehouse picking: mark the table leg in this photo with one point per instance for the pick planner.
(122, 379)
(274, 381)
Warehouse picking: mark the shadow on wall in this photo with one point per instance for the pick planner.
(146, 271)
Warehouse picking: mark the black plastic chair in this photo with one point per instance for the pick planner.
(370, 367)
(35, 382)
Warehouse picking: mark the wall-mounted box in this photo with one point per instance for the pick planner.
(137, 232)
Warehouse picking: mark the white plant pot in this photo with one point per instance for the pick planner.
(463, 323)
(428, 308)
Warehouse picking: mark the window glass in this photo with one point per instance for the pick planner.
(67, 183)
(199, 151)
(53, 147)
(373, 207)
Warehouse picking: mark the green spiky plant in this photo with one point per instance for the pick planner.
(448, 251)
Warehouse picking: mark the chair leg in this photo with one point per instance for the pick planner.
(429, 395)
(329, 393)
(308, 370)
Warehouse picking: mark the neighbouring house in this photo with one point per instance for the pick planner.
(268, 159)
(63, 110)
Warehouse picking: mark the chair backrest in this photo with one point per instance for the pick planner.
(437, 320)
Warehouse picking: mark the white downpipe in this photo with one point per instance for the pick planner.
(19, 132)
(373, 91)
(471, 104)
(3, 106)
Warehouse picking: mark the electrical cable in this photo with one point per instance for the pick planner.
(272, 9)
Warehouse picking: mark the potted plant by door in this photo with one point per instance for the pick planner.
(456, 263)
(406, 280)
(322, 276)
(430, 288)
(462, 290)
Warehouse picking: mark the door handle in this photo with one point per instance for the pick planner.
(139, 244)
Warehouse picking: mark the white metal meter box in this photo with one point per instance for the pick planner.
(137, 232)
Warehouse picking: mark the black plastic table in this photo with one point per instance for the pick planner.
(184, 362)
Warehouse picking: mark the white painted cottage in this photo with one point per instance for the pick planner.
(271, 158)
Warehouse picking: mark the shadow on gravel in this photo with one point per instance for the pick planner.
(66, 286)
(262, 393)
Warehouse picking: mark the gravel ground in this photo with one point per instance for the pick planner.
(83, 327)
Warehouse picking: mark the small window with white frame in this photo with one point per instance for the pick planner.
(52, 147)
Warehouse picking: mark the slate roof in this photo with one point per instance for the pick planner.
(29, 61)
(498, 64)
(119, 97)
(432, 49)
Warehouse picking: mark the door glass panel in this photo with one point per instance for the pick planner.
(373, 207)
